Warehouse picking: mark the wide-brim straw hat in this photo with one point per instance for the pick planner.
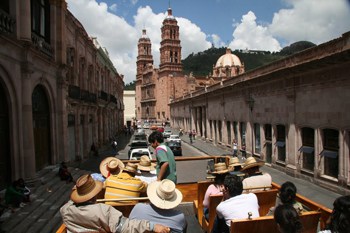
(111, 165)
(85, 189)
(145, 164)
(164, 194)
(234, 161)
(131, 167)
(219, 168)
(252, 162)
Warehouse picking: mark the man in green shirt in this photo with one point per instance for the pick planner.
(166, 165)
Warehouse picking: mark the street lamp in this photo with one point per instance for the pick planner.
(250, 102)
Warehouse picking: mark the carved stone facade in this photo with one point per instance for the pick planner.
(156, 88)
(292, 113)
(59, 92)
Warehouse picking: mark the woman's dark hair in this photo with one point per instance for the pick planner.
(219, 178)
(156, 136)
(233, 184)
(288, 193)
(340, 218)
(288, 219)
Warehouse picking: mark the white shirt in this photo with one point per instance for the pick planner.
(238, 207)
(147, 177)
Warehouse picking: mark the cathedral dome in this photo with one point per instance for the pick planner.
(228, 59)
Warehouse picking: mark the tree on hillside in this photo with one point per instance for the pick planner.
(296, 47)
(130, 86)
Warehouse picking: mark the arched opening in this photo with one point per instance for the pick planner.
(41, 127)
(5, 155)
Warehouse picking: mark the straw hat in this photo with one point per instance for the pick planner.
(234, 162)
(111, 165)
(85, 189)
(220, 168)
(145, 164)
(131, 167)
(164, 194)
(251, 162)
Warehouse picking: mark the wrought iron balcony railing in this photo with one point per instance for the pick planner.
(7, 23)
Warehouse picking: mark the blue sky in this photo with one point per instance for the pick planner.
(239, 24)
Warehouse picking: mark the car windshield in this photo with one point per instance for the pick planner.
(170, 144)
(139, 144)
(137, 155)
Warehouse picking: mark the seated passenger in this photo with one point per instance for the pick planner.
(235, 167)
(287, 219)
(147, 170)
(83, 214)
(235, 205)
(220, 171)
(125, 185)
(110, 165)
(287, 194)
(340, 217)
(164, 198)
(255, 178)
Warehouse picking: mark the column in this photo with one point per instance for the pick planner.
(24, 21)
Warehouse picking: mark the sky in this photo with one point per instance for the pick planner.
(239, 24)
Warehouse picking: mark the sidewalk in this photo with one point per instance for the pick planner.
(305, 188)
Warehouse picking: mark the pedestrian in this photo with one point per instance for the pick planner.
(93, 149)
(234, 147)
(164, 198)
(166, 165)
(190, 136)
(244, 152)
(82, 214)
(64, 173)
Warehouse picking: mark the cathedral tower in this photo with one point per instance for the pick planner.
(144, 56)
(170, 48)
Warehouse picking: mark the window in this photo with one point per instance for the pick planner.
(257, 138)
(228, 127)
(330, 152)
(220, 130)
(40, 11)
(281, 143)
(235, 130)
(307, 148)
(242, 129)
(268, 142)
(5, 5)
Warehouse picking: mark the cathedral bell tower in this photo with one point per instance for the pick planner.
(144, 56)
(170, 47)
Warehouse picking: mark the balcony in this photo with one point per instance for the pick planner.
(93, 97)
(103, 96)
(112, 98)
(42, 45)
(85, 95)
(74, 92)
(7, 24)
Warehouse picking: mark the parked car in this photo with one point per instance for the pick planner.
(175, 147)
(136, 154)
(137, 145)
(146, 125)
(140, 137)
(167, 133)
(174, 137)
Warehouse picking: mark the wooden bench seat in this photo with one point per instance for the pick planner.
(267, 224)
(266, 199)
(202, 187)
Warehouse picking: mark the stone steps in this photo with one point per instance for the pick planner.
(42, 213)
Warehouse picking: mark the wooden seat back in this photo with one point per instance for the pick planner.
(266, 199)
(267, 224)
(202, 187)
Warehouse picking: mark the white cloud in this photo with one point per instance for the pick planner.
(248, 34)
(317, 21)
(120, 38)
(113, 7)
(218, 43)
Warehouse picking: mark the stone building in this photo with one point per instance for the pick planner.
(59, 91)
(292, 113)
(156, 88)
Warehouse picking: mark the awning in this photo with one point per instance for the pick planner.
(280, 144)
(329, 153)
(306, 149)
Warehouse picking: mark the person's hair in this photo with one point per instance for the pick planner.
(219, 178)
(340, 218)
(233, 184)
(288, 219)
(156, 136)
(288, 193)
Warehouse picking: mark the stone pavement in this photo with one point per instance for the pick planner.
(42, 214)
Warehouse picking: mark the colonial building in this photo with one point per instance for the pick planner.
(59, 92)
(292, 113)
